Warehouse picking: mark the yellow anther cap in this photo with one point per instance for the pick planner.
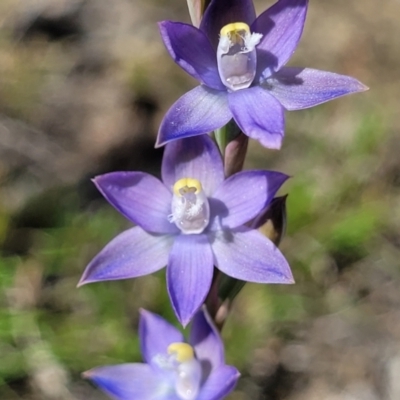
(182, 351)
(234, 28)
(186, 185)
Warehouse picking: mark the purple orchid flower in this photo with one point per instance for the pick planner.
(239, 60)
(191, 221)
(174, 369)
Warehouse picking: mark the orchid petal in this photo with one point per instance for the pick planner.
(191, 50)
(242, 196)
(131, 254)
(156, 335)
(281, 26)
(249, 256)
(140, 197)
(197, 158)
(259, 115)
(189, 274)
(206, 341)
(198, 111)
(221, 382)
(298, 88)
(129, 382)
(223, 12)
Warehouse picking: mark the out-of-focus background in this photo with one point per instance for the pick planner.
(83, 87)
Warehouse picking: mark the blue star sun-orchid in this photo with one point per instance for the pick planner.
(192, 220)
(173, 369)
(239, 60)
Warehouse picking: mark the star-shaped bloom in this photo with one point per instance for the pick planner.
(173, 369)
(192, 220)
(239, 60)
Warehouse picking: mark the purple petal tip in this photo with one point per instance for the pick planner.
(87, 374)
(160, 143)
(289, 277)
(291, 281)
(144, 313)
(358, 86)
(82, 282)
(85, 280)
(271, 141)
(184, 320)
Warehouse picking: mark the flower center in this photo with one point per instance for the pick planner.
(236, 55)
(190, 210)
(184, 369)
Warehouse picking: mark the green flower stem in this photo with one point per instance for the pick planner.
(221, 138)
(232, 144)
